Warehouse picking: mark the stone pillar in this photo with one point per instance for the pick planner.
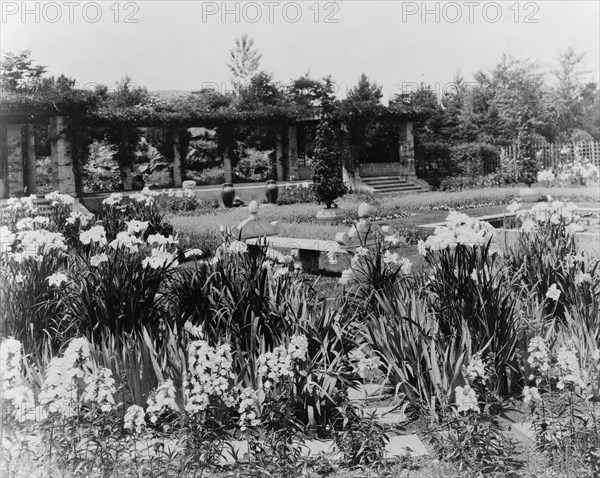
(292, 153)
(177, 180)
(30, 169)
(60, 153)
(407, 149)
(14, 149)
(279, 155)
(4, 191)
(227, 170)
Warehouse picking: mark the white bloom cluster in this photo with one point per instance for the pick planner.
(545, 176)
(145, 196)
(367, 367)
(42, 241)
(57, 199)
(553, 293)
(568, 367)
(136, 227)
(24, 204)
(476, 368)
(126, 240)
(14, 392)
(460, 229)
(531, 394)
(578, 171)
(160, 240)
(298, 348)
(538, 354)
(160, 258)
(248, 409)
(113, 199)
(466, 399)
(95, 234)
(543, 212)
(583, 278)
(162, 400)
(7, 239)
(30, 223)
(134, 419)
(100, 389)
(98, 259)
(513, 207)
(84, 219)
(64, 376)
(209, 375)
(237, 247)
(57, 279)
(194, 253)
(272, 366)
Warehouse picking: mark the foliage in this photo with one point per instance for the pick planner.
(245, 61)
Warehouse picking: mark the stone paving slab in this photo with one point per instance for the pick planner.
(524, 428)
(402, 444)
(388, 415)
(367, 390)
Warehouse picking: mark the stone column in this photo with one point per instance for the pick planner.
(60, 153)
(177, 180)
(30, 169)
(4, 191)
(407, 149)
(14, 149)
(227, 169)
(292, 153)
(279, 155)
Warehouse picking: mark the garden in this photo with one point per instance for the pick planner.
(128, 351)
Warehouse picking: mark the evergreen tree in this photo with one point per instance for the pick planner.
(245, 61)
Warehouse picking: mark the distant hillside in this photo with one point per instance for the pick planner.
(171, 93)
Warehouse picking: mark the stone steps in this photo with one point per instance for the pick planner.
(393, 184)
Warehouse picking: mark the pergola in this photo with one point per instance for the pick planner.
(17, 142)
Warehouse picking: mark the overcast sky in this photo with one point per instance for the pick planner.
(184, 45)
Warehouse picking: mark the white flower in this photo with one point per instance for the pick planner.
(237, 247)
(162, 400)
(19, 278)
(405, 265)
(134, 419)
(98, 259)
(362, 251)
(466, 399)
(514, 206)
(114, 198)
(7, 239)
(96, 235)
(389, 258)
(368, 367)
(573, 228)
(194, 253)
(124, 239)
(100, 389)
(57, 279)
(568, 366)
(531, 394)
(583, 278)
(298, 347)
(476, 368)
(160, 258)
(248, 409)
(281, 272)
(553, 292)
(393, 240)
(135, 227)
(57, 199)
(538, 354)
(422, 247)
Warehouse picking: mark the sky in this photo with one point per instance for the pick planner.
(184, 45)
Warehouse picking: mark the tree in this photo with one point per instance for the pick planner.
(328, 161)
(245, 61)
(124, 137)
(18, 73)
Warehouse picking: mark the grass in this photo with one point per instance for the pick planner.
(200, 228)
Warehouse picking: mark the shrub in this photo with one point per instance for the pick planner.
(474, 159)
(433, 162)
(327, 165)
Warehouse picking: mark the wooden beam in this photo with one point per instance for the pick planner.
(30, 166)
(177, 179)
(292, 153)
(279, 155)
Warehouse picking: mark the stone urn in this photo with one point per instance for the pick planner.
(529, 195)
(271, 191)
(330, 215)
(228, 194)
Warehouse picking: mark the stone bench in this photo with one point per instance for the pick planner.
(256, 232)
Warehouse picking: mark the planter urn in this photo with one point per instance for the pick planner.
(271, 191)
(228, 194)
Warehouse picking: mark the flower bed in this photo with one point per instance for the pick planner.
(117, 361)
